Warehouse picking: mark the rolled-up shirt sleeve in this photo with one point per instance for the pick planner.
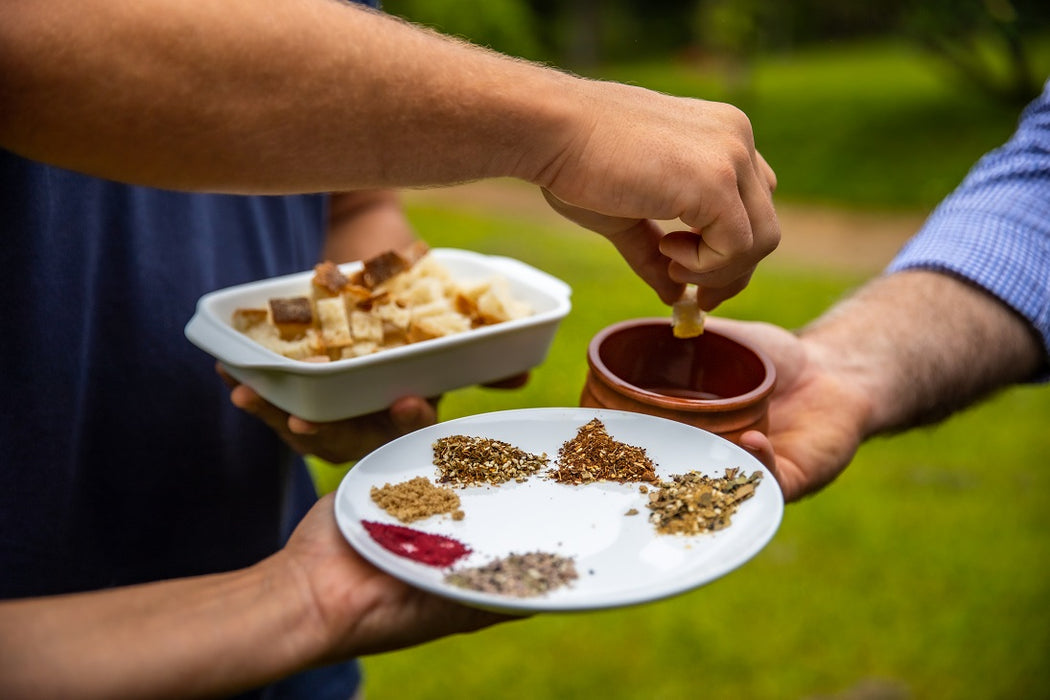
(994, 229)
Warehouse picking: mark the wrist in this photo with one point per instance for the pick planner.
(303, 637)
(858, 395)
(537, 135)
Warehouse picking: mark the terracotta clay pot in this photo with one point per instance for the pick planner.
(715, 381)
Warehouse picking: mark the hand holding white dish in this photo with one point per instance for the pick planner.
(344, 388)
(620, 558)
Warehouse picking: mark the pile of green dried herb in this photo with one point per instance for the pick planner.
(593, 455)
(466, 461)
(693, 503)
(518, 575)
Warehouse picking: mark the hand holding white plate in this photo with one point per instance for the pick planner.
(621, 559)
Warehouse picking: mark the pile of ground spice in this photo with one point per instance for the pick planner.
(416, 499)
(593, 455)
(423, 547)
(465, 461)
(693, 503)
(518, 575)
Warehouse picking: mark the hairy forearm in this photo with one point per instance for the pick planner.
(293, 95)
(913, 347)
(197, 637)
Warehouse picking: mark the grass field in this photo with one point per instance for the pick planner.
(921, 573)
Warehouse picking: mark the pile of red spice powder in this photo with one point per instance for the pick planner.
(424, 547)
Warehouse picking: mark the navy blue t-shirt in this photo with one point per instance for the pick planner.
(121, 457)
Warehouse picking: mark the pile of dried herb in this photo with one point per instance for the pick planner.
(693, 503)
(466, 461)
(518, 575)
(593, 455)
(416, 499)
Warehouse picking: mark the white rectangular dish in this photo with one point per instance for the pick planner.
(341, 389)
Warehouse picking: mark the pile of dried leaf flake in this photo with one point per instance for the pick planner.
(693, 503)
(466, 461)
(593, 455)
(518, 575)
(416, 499)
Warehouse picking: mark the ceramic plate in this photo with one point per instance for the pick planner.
(621, 559)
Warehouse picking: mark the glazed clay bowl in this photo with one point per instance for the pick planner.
(715, 381)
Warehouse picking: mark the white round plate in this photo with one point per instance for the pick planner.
(620, 558)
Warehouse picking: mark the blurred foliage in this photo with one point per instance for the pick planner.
(871, 124)
(985, 43)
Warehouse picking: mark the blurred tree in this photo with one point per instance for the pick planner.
(986, 42)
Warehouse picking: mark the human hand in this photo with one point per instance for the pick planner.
(337, 441)
(353, 438)
(814, 427)
(360, 609)
(641, 157)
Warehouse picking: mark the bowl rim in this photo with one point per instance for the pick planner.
(605, 375)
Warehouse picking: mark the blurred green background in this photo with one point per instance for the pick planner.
(923, 571)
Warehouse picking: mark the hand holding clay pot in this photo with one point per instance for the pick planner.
(715, 381)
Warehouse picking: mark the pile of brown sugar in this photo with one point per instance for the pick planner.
(593, 455)
(416, 499)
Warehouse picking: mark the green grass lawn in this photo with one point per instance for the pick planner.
(923, 568)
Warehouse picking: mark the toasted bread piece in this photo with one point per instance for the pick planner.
(366, 327)
(328, 280)
(292, 316)
(437, 326)
(393, 314)
(360, 349)
(496, 304)
(687, 319)
(307, 346)
(243, 319)
(334, 322)
(381, 268)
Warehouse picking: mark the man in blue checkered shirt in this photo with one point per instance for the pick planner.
(963, 310)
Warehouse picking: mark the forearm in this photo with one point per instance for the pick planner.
(364, 224)
(294, 95)
(913, 347)
(179, 639)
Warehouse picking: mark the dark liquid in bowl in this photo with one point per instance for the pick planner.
(707, 367)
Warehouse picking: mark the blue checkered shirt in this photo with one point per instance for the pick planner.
(994, 229)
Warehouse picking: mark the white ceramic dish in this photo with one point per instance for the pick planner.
(345, 388)
(621, 559)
